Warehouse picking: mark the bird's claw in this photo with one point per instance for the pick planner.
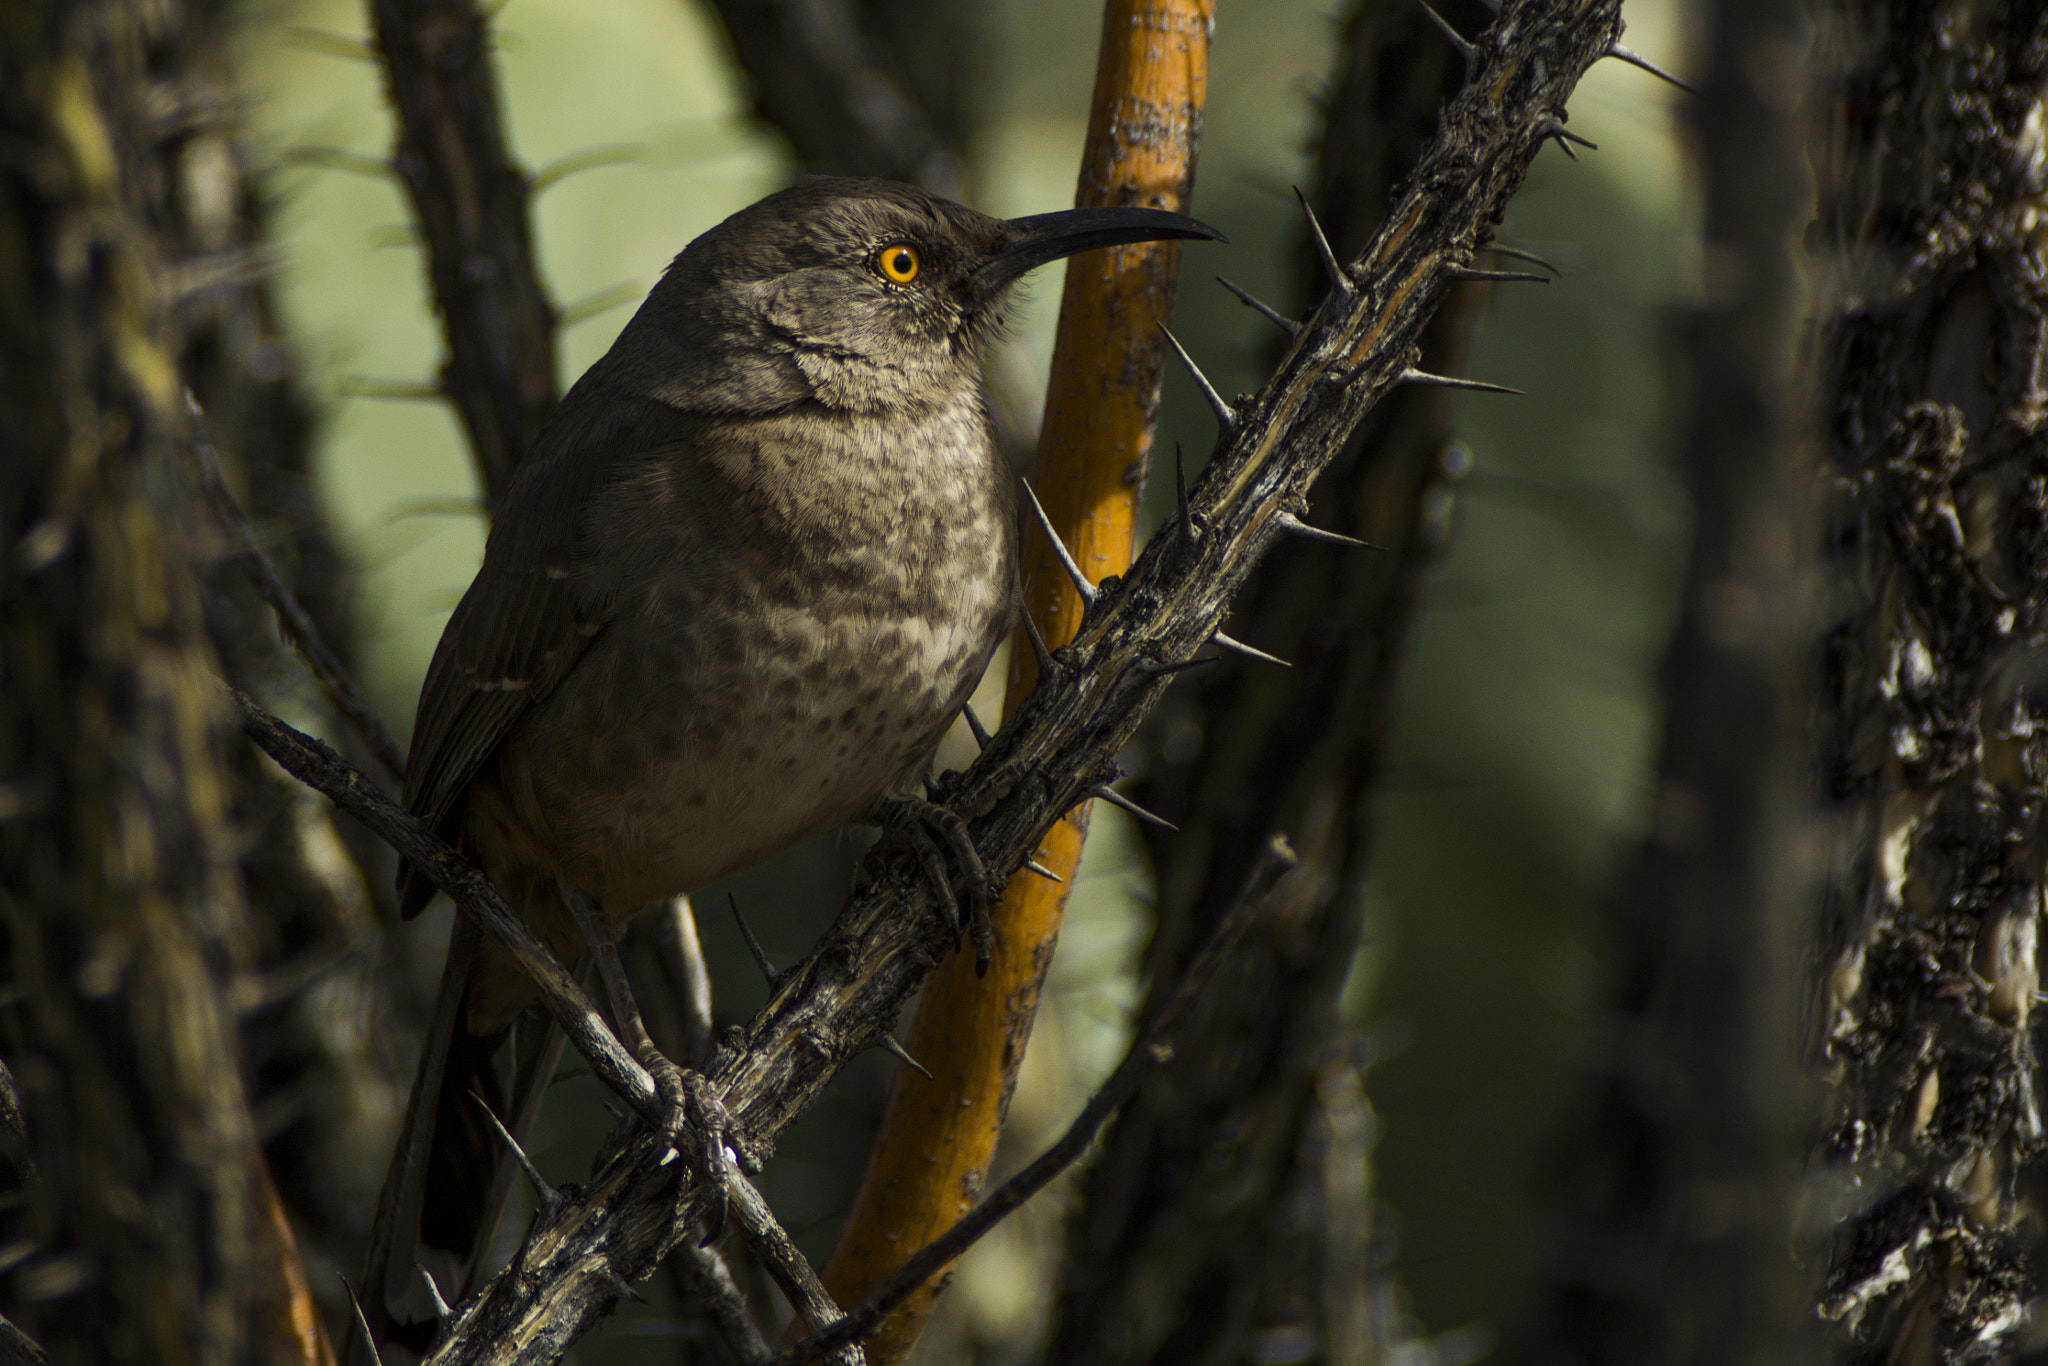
(695, 1122)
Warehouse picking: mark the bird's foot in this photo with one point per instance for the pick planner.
(909, 823)
(700, 1128)
(694, 1119)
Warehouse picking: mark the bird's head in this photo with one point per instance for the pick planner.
(859, 294)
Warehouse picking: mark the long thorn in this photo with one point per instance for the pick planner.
(1423, 377)
(1048, 874)
(541, 1189)
(441, 1309)
(974, 726)
(1226, 416)
(1294, 526)
(1340, 279)
(1549, 126)
(1047, 665)
(621, 1287)
(1263, 309)
(1118, 799)
(1239, 647)
(1451, 35)
(1642, 63)
(761, 959)
(1059, 547)
(903, 1055)
(369, 1338)
(1497, 276)
(1518, 254)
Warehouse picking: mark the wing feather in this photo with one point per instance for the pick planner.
(531, 612)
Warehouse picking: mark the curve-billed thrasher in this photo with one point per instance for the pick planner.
(731, 600)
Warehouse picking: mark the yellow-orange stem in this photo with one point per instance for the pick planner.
(289, 1326)
(939, 1136)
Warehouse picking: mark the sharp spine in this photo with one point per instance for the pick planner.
(1262, 308)
(903, 1054)
(1048, 667)
(1642, 63)
(761, 959)
(1048, 874)
(1414, 376)
(1067, 561)
(622, 1286)
(362, 1322)
(1518, 254)
(541, 1189)
(1465, 47)
(1239, 647)
(1118, 799)
(1226, 416)
(1549, 126)
(974, 726)
(1498, 276)
(441, 1309)
(1340, 279)
(1294, 526)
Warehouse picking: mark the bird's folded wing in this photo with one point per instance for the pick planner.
(531, 613)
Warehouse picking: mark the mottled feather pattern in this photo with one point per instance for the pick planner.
(732, 599)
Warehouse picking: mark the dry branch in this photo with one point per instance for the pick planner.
(1355, 348)
(843, 82)
(940, 1132)
(1155, 1234)
(1153, 1048)
(298, 624)
(1930, 164)
(471, 202)
(319, 767)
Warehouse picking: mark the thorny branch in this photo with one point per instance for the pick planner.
(1358, 345)
(471, 203)
(298, 624)
(1153, 1048)
(585, 1248)
(322, 769)
(1270, 1087)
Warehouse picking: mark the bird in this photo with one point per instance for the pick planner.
(743, 583)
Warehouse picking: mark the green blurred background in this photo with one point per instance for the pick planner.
(1526, 717)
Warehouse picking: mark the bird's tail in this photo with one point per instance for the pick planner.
(451, 1169)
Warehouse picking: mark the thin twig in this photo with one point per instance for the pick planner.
(319, 767)
(675, 939)
(1152, 1048)
(791, 1269)
(298, 626)
(722, 1296)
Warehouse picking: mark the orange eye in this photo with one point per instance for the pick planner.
(897, 261)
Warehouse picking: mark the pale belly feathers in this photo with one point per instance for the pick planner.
(707, 729)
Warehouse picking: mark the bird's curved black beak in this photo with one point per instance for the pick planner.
(1046, 237)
